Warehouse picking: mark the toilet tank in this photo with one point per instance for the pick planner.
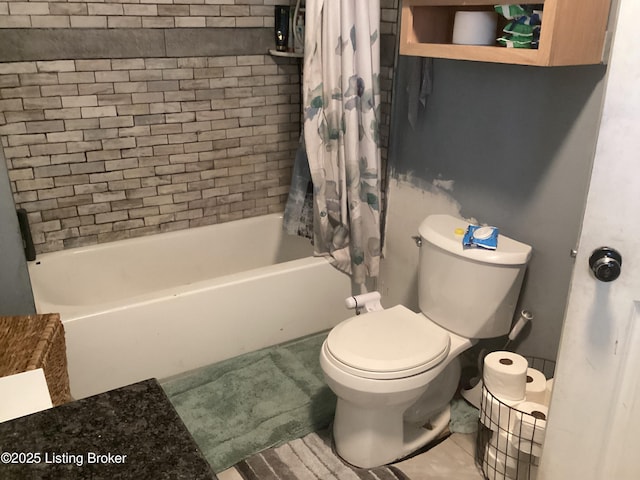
(469, 291)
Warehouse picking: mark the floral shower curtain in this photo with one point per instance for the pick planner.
(341, 94)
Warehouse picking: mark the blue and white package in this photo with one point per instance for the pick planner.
(483, 237)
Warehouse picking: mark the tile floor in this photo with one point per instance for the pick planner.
(452, 459)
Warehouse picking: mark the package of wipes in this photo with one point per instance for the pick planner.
(483, 237)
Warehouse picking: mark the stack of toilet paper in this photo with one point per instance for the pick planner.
(514, 407)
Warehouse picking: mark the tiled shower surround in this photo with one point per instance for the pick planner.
(137, 14)
(111, 132)
(100, 150)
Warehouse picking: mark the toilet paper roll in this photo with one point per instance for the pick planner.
(527, 471)
(549, 389)
(503, 441)
(498, 465)
(505, 375)
(536, 386)
(504, 459)
(475, 28)
(534, 450)
(497, 414)
(530, 422)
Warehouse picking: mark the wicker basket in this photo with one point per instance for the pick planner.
(36, 341)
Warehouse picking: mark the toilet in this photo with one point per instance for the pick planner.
(395, 371)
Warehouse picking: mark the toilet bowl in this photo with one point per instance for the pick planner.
(402, 364)
(395, 371)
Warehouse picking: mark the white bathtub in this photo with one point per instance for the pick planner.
(161, 305)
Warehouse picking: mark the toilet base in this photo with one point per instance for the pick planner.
(380, 421)
(369, 438)
(417, 437)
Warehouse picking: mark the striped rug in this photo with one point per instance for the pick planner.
(309, 458)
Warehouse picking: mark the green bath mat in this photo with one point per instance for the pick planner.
(243, 405)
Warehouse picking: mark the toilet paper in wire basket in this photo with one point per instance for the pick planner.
(497, 415)
(498, 464)
(536, 387)
(530, 422)
(505, 375)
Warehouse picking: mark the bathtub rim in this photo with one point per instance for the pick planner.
(69, 313)
(69, 252)
(72, 311)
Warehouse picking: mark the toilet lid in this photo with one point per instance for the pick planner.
(387, 344)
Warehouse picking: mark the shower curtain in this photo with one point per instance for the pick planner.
(341, 95)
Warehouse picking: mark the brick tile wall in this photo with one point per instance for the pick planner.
(99, 150)
(156, 14)
(137, 14)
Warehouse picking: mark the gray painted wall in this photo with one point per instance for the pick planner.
(518, 144)
(15, 288)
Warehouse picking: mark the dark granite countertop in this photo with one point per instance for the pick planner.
(132, 432)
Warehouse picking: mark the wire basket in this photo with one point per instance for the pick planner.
(509, 441)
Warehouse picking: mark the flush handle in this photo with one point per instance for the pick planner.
(606, 264)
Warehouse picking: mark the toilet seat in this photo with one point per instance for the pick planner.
(388, 344)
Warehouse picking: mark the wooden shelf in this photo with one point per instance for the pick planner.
(573, 32)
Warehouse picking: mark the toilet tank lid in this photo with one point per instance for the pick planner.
(444, 232)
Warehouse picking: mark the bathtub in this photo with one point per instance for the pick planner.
(161, 305)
